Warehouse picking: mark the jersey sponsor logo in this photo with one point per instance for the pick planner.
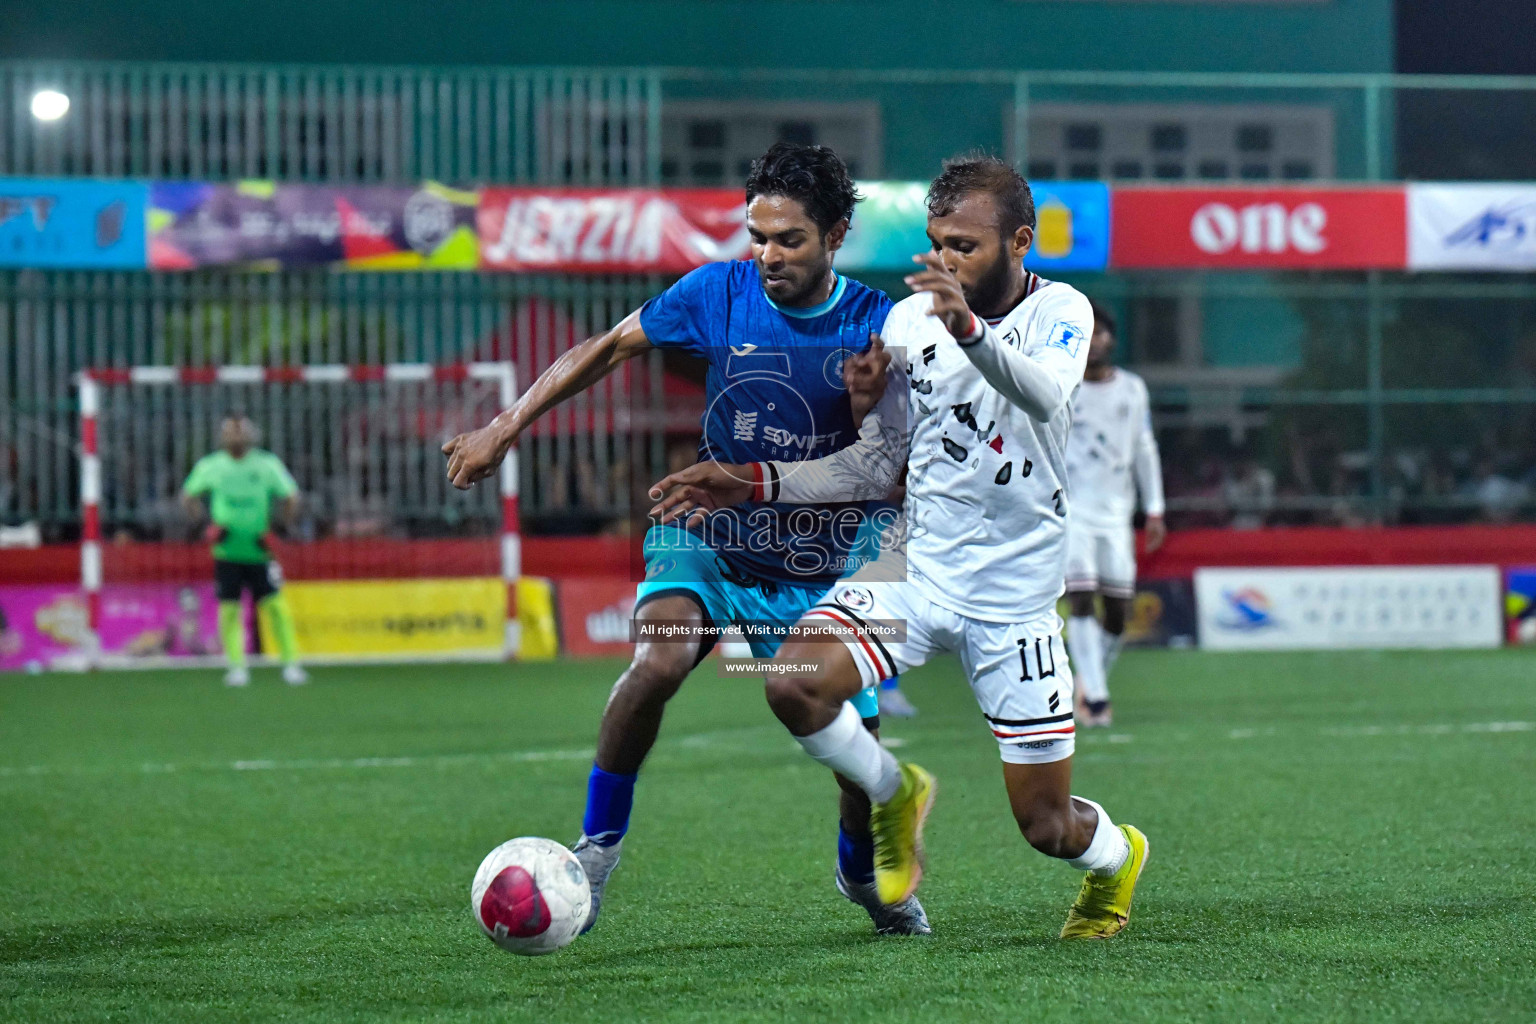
(805, 442)
(1067, 337)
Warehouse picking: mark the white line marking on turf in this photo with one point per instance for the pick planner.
(264, 765)
(1440, 729)
(694, 741)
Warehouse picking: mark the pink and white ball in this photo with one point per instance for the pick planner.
(531, 896)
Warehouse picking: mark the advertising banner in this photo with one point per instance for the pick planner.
(1520, 604)
(1354, 607)
(1162, 614)
(264, 225)
(70, 223)
(610, 231)
(46, 627)
(1472, 227)
(1271, 228)
(391, 618)
(891, 225)
(594, 615)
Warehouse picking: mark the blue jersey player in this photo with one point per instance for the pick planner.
(790, 371)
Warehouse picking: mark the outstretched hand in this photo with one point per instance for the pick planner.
(474, 456)
(700, 489)
(948, 299)
(864, 377)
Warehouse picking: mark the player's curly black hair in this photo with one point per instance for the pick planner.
(981, 172)
(813, 176)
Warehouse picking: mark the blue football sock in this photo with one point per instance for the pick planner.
(609, 798)
(891, 683)
(856, 857)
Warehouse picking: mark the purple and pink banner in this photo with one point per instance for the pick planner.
(266, 225)
(46, 627)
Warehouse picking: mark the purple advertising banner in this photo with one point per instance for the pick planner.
(46, 627)
(269, 226)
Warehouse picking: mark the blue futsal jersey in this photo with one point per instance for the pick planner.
(774, 392)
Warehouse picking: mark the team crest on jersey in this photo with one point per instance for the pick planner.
(856, 599)
(658, 567)
(832, 370)
(1066, 337)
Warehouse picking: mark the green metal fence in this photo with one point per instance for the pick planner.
(296, 123)
(1279, 397)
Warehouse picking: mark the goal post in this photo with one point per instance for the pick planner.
(360, 440)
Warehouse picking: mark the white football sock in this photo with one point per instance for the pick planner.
(852, 751)
(1112, 644)
(1107, 850)
(1085, 643)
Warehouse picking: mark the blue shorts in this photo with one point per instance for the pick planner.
(683, 562)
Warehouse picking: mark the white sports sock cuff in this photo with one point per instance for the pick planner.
(852, 751)
(834, 738)
(1107, 850)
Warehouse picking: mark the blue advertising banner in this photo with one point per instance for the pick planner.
(1072, 226)
(47, 222)
(891, 224)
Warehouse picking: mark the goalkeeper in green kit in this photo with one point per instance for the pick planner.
(240, 482)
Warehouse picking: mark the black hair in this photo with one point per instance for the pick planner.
(1103, 318)
(813, 176)
(981, 172)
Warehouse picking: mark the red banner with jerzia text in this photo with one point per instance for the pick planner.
(609, 231)
(1273, 228)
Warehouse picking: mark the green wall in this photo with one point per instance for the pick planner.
(1326, 35)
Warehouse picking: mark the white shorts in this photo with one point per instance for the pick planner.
(1101, 559)
(1018, 670)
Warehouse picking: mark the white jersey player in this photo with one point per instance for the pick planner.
(1111, 456)
(987, 358)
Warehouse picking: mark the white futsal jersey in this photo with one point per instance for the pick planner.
(1112, 453)
(986, 502)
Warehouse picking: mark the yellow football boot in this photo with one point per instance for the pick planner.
(1103, 905)
(897, 827)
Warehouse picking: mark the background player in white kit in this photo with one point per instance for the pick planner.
(986, 508)
(1111, 456)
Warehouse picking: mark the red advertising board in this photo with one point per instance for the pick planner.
(594, 615)
(1277, 228)
(609, 231)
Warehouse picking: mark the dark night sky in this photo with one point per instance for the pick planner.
(1466, 37)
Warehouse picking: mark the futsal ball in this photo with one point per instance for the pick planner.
(531, 896)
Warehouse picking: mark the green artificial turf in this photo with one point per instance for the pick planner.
(1334, 837)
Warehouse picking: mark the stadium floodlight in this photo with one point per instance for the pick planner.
(49, 104)
(361, 439)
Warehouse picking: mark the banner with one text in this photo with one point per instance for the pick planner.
(1259, 228)
(264, 225)
(47, 222)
